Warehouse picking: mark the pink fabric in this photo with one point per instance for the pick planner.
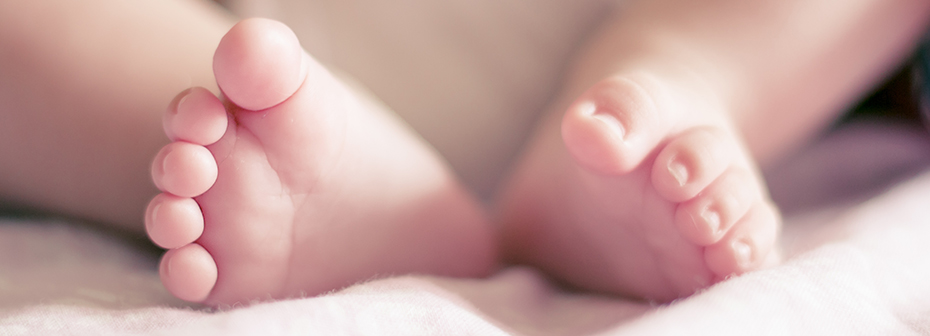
(851, 268)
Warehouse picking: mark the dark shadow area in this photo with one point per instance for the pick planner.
(879, 143)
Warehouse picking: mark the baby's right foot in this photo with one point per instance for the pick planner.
(298, 186)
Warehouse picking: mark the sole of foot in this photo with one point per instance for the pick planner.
(295, 184)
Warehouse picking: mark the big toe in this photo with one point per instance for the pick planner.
(613, 126)
(257, 64)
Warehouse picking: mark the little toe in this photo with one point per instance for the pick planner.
(195, 116)
(173, 221)
(257, 64)
(707, 218)
(748, 245)
(613, 126)
(690, 162)
(184, 169)
(189, 273)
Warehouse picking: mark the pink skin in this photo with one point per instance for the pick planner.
(639, 183)
(299, 186)
(641, 180)
(639, 192)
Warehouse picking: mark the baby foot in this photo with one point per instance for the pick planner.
(648, 193)
(298, 186)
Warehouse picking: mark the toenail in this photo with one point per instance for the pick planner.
(164, 162)
(182, 98)
(712, 218)
(168, 267)
(743, 253)
(607, 119)
(181, 102)
(678, 171)
(155, 213)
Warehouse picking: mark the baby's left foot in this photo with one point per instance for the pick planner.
(642, 188)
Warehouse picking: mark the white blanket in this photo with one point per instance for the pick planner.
(854, 266)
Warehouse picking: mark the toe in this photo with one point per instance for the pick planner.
(189, 273)
(613, 126)
(257, 64)
(173, 221)
(690, 162)
(184, 169)
(261, 68)
(706, 219)
(749, 244)
(195, 116)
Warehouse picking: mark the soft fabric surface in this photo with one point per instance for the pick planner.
(856, 263)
